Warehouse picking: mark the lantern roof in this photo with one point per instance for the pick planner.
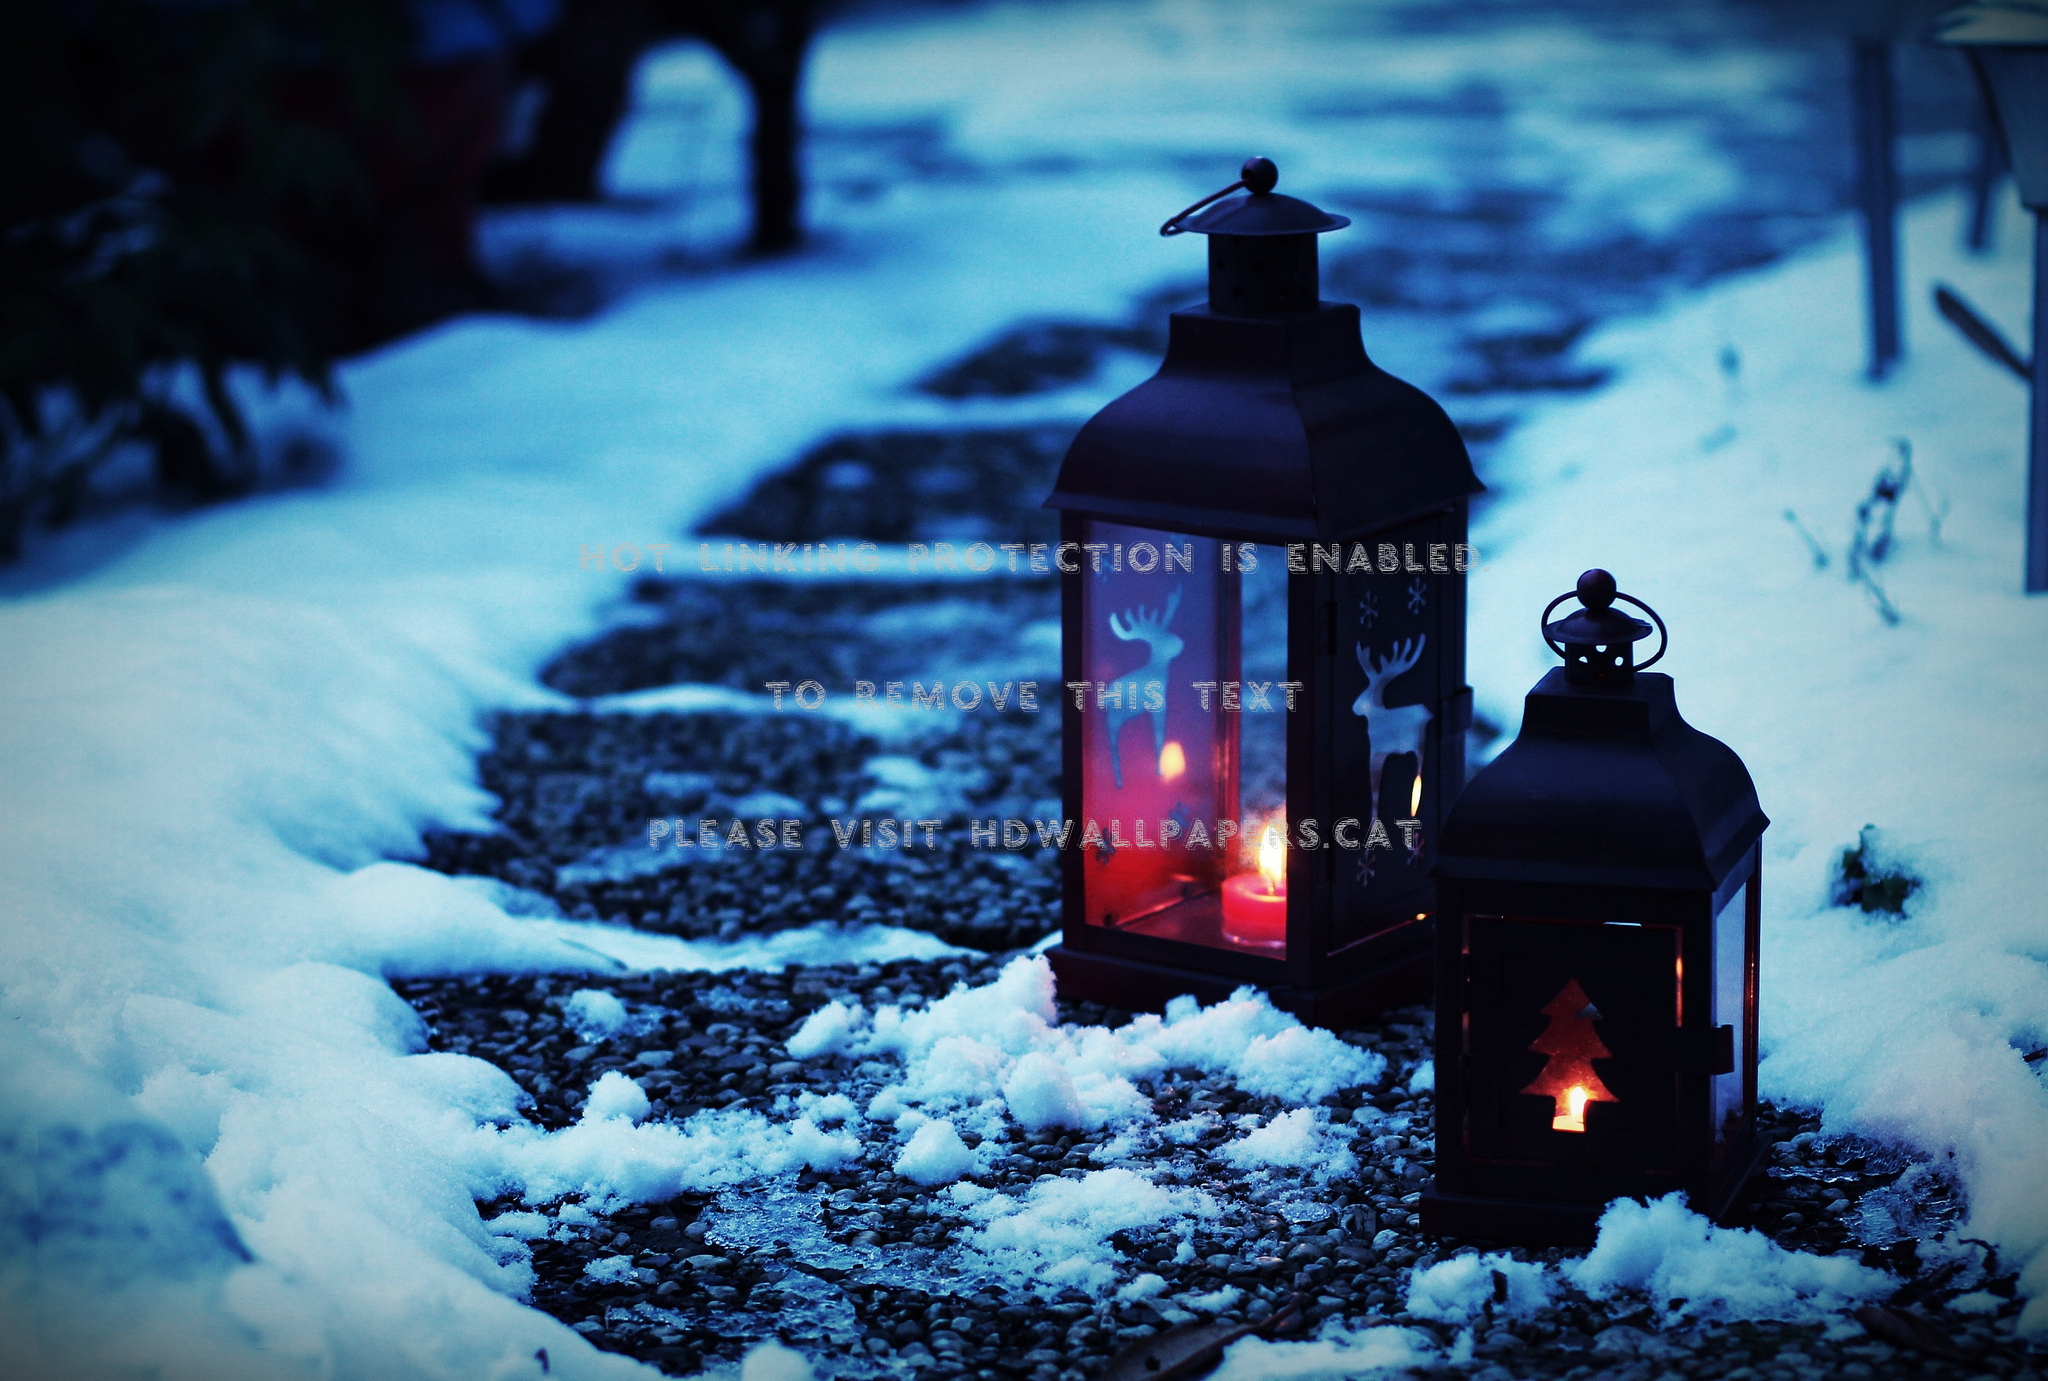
(1265, 421)
(1264, 213)
(1275, 428)
(1605, 787)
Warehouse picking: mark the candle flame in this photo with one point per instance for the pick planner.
(1173, 761)
(1415, 796)
(1272, 859)
(1574, 1118)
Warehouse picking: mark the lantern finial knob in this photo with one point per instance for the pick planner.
(1596, 589)
(1259, 174)
(1598, 642)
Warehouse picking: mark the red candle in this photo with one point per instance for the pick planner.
(1255, 904)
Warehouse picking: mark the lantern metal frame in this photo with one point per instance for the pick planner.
(1268, 424)
(1614, 846)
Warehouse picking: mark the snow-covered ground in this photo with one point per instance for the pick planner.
(222, 1153)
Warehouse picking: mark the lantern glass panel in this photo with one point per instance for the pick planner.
(1731, 981)
(1262, 724)
(1167, 781)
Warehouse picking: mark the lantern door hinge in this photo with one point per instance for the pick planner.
(1706, 1050)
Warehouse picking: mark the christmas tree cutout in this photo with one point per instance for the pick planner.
(1570, 1042)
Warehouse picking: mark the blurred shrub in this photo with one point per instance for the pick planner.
(159, 163)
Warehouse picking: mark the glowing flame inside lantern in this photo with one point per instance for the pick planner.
(1173, 761)
(1568, 1078)
(1415, 796)
(1272, 859)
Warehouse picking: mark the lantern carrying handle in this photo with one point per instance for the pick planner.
(1257, 177)
(1173, 224)
(1663, 634)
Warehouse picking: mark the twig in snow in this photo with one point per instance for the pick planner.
(1820, 554)
(1886, 610)
(1875, 515)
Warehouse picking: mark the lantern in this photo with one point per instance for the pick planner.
(1263, 613)
(1596, 948)
(2007, 44)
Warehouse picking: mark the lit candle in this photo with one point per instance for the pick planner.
(1255, 904)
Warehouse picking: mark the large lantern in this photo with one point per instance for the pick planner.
(1596, 954)
(1263, 609)
(2007, 44)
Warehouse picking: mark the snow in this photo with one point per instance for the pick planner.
(774, 1362)
(1677, 1258)
(609, 1159)
(1342, 1355)
(1058, 1235)
(936, 1155)
(1041, 1094)
(1458, 1290)
(1300, 1138)
(982, 1051)
(610, 1268)
(595, 1014)
(615, 1096)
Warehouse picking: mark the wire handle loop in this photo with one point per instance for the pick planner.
(1543, 622)
(1173, 224)
(1663, 634)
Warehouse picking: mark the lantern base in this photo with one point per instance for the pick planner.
(1140, 985)
(1565, 1222)
(1540, 1222)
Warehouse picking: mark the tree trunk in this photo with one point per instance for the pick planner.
(767, 45)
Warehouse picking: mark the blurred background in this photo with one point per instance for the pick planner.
(201, 191)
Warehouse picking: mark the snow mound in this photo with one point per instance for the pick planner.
(827, 1031)
(611, 1160)
(596, 1014)
(1340, 1357)
(615, 1096)
(935, 1155)
(773, 1362)
(1298, 1138)
(1000, 1046)
(1042, 1094)
(1059, 1234)
(1668, 1252)
(1459, 1290)
(612, 1270)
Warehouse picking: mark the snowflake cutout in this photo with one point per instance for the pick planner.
(1368, 610)
(1418, 595)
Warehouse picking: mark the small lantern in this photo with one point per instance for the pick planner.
(1263, 612)
(1596, 948)
(2007, 44)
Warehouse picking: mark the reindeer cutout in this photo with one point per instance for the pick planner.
(1137, 626)
(1396, 730)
